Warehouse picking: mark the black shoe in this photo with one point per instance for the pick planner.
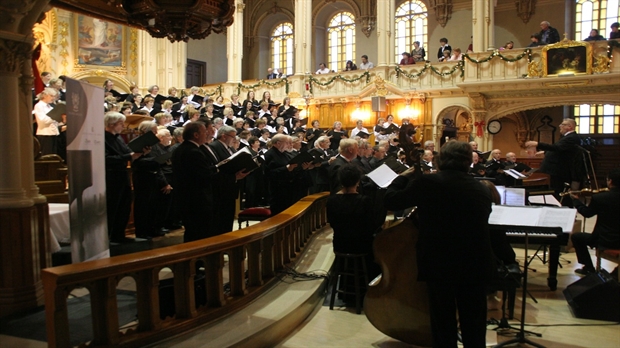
(584, 271)
(123, 240)
(164, 230)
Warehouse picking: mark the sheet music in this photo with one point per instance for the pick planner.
(382, 176)
(514, 173)
(514, 196)
(502, 193)
(544, 199)
(533, 216)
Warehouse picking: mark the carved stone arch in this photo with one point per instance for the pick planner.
(45, 33)
(323, 9)
(522, 133)
(98, 76)
(453, 121)
(497, 110)
(259, 27)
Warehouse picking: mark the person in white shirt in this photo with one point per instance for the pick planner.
(366, 64)
(456, 55)
(47, 128)
(359, 127)
(322, 69)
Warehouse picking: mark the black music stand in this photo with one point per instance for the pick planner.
(521, 334)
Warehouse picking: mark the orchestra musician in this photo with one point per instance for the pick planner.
(606, 233)
(454, 257)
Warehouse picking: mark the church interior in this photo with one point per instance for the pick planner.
(244, 297)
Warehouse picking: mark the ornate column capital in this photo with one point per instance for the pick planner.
(13, 54)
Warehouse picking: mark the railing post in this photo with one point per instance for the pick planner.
(236, 268)
(147, 291)
(56, 313)
(278, 249)
(268, 256)
(214, 279)
(104, 311)
(255, 274)
(184, 290)
(286, 244)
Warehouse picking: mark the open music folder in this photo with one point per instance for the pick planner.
(534, 216)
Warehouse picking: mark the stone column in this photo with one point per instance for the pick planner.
(489, 20)
(234, 45)
(478, 25)
(385, 32)
(22, 223)
(303, 36)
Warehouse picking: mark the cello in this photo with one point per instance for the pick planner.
(396, 303)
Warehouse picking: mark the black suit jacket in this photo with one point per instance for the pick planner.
(334, 183)
(226, 190)
(605, 206)
(440, 52)
(453, 212)
(281, 180)
(562, 158)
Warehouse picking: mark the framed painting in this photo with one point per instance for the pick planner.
(567, 58)
(98, 42)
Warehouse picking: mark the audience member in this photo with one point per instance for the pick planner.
(407, 59)
(322, 69)
(456, 55)
(443, 42)
(594, 36)
(418, 54)
(615, 33)
(535, 40)
(548, 34)
(350, 66)
(366, 64)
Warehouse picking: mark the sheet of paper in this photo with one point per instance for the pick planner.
(544, 199)
(515, 196)
(558, 217)
(520, 216)
(382, 176)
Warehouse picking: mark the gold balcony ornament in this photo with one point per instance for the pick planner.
(178, 20)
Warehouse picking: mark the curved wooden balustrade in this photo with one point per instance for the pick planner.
(269, 246)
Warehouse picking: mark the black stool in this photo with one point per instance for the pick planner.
(342, 268)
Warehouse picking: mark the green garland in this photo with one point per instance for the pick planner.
(312, 80)
(496, 53)
(263, 82)
(427, 66)
(218, 91)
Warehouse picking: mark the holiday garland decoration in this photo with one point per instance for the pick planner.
(312, 80)
(427, 66)
(263, 82)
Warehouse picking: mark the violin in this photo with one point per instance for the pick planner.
(396, 303)
(586, 192)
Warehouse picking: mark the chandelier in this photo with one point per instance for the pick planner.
(176, 20)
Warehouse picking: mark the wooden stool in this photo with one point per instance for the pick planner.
(342, 268)
(253, 214)
(612, 255)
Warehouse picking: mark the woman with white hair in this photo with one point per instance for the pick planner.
(336, 134)
(47, 129)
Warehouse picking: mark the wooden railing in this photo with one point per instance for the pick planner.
(269, 246)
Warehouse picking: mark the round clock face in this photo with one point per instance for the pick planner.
(494, 127)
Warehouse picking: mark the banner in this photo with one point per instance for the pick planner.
(86, 163)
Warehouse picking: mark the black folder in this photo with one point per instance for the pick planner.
(173, 99)
(159, 99)
(139, 143)
(57, 112)
(163, 158)
(240, 160)
(304, 157)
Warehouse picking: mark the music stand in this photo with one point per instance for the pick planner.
(521, 334)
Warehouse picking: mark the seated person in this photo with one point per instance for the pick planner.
(407, 59)
(594, 36)
(495, 168)
(351, 216)
(606, 234)
(446, 56)
(456, 55)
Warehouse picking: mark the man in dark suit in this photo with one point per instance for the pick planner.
(378, 156)
(562, 160)
(193, 181)
(444, 46)
(347, 151)
(606, 233)
(494, 168)
(454, 254)
(227, 189)
(271, 74)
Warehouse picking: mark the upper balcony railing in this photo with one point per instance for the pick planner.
(484, 67)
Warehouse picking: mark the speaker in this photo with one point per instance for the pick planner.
(378, 104)
(595, 296)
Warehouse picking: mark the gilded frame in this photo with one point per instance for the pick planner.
(567, 57)
(99, 44)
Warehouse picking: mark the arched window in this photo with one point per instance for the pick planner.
(411, 22)
(595, 14)
(341, 40)
(597, 119)
(282, 48)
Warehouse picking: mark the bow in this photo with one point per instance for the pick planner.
(479, 128)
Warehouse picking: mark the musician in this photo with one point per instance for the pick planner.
(207, 111)
(474, 145)
(108, 90)
(264, 111)
(359, 127)
(511, 163)
(350, 215)
(380, 132)
(154, 93)
(149, 105)
(192, 116)
(606, 233)
(226, 190)
(347, 151)
(118, 187)
(281, 175)
(136, 103)
(172, 95)
(47, 129)
(218, 106)
(336, 135)
(363, 156)
(562, 159)
(193, 98)
(194, 170)
(476, 168)
(235, 104)
(314, 133)
(453, 251)
(426, 164)
(148, 181)
(494, 168)
(286, 110)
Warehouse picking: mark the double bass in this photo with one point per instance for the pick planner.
(396, 303)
